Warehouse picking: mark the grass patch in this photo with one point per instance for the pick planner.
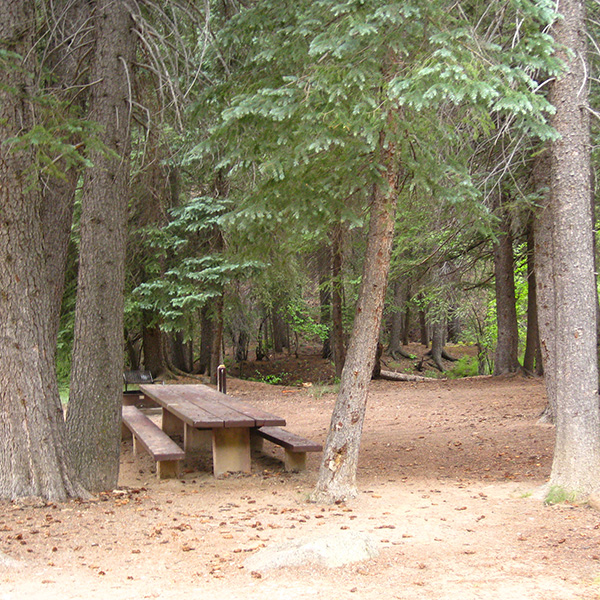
(559, 495)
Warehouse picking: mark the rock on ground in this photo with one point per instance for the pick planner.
(329, 551)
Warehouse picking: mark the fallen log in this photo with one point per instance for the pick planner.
(393, 376)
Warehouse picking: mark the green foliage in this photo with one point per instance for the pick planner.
(185, 272)
(273, 379)
(298, 316)
(466, 366)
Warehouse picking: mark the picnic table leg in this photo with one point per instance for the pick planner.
(196, 440)
(171, 425)
(231, 450)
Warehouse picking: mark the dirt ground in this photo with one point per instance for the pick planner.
(449, 478)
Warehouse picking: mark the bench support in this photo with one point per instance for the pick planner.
(294, 461)
(295, 446)
(231, 450)
(171, 425)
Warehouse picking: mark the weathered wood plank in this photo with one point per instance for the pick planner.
(288, 440)
(150, 436)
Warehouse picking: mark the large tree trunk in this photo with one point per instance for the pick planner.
(543, 236)
(33, 451)
(94, 412)
(337, 474)
(66, 60)
(573, 374)
(507, 346)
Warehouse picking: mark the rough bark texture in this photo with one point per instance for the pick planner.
(543, 234)
(437, 343)
(33, 454)
(573, 376)
(66, 60)
(337, 475)
(94, 412)
(507, 346)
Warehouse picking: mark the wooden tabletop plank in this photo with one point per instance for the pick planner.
(212, 401)
(226, 410)
(204, 395)
(172, 400)
(260, 416)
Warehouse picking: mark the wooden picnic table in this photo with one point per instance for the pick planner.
(209, 419)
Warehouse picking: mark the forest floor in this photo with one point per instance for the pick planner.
(450, 480)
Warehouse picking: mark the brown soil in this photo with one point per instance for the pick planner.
(449, 479)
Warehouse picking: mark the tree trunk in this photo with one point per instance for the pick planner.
(279, 337)
(543, 235)
(33, 450)
(437, 343)
(66, 61)
(206, 340)
(423, 328)
(94, 413)
(324, 260)
(407, 315)
(153, 349)
(337, 301)
(337, 474)
(215, 355)
(396, 328)
(572, 375)
(507, 346)
(181, 352)
(532, 360)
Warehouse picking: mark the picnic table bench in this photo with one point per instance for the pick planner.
(295, 446)
(167, 454)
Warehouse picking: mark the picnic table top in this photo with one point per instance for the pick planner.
(205, 408)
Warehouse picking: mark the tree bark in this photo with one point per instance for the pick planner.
(324, 267)
(94, 412)
(572, 375)
(33, 451)
(337, 301)
(532, 360)
(437, 343)
(217, 339)
(66, 60)
(337, 474)
(153, 349)
(507, 346)
(397, 318)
